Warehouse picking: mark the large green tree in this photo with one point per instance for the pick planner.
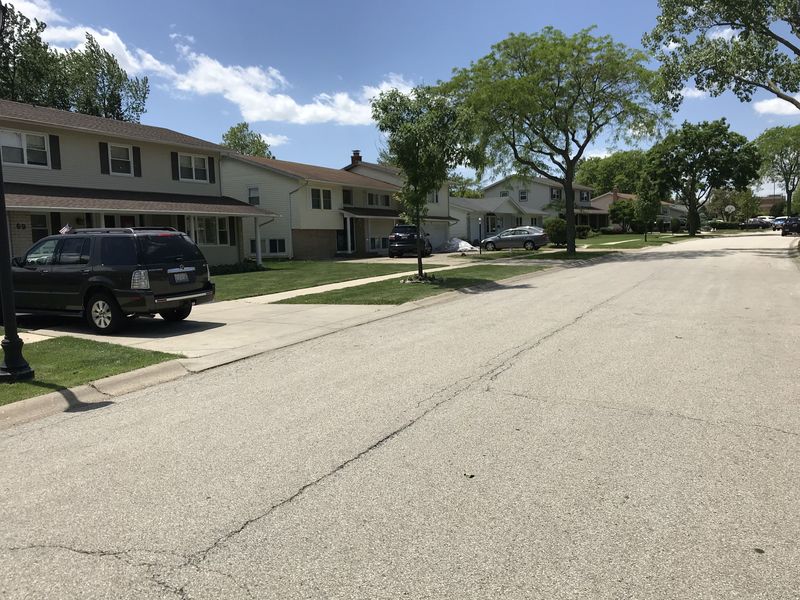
(620, 170)
(738, 45)
(427, 137)
(692, 161)
(780, 152)
(539, 100)
(622, 211)
(245, 141)
(462, 186)
(30, 71)
(99, 86)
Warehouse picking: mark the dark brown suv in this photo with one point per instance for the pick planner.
(107, 275)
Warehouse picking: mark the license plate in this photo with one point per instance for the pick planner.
(181, 278)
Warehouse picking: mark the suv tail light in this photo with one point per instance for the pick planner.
(208, 272)
(392, 238)
(140, 280)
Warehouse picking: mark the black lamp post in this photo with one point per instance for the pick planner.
(14, 366)
(480, 233)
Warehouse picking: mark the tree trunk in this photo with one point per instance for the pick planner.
(693, 218)
(420, 245)
(789, 194)
(569, 204)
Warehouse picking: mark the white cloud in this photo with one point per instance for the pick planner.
(274, 140)
(776, 106)
(693, 92)
(38, 9)
(722, 33)
(258, 92)
(597, 153)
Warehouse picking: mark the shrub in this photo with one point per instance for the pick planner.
(663, 227)
(723, 225)
(674, 225)
(638, 226)
(582, 231)
(556, 230)
(247, 266)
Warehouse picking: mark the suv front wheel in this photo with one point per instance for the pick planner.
(103, 314)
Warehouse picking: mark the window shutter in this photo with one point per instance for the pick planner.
(212, 176)
(104, 168)
(175, 172)
(55, 152)
(137, 161)
(182, 223)
(232, 230)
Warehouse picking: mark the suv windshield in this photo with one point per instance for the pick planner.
(167, 247)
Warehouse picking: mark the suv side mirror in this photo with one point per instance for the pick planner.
(18, 261)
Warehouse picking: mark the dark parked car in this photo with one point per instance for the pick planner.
(530, 238)
(403, 240)
(790, 226)
(777, 223)
(755, 224)
(107, 275)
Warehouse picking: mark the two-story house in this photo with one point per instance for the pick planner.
(667, 210)
(63, 168)
(534, 200)
(323, 212)
(437, 221)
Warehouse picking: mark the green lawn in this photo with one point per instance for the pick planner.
(66, 362)
(394, 291)
(538, 255)
(298, 274)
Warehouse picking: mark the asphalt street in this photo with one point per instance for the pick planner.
(628, 429)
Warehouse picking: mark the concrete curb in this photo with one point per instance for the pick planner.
(92, 395)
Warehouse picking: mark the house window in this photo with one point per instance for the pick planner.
(555, 193)
(253, 196)
(253, 246)
(433, 198)
(372, 199)
(347, 197)
(211, 231)
(504, 194)
(385, 200)
(320, 199)
(523, 195)
(518, 222)
(39, 228)
(533, 221)
(193, 168)
(585, 197)
(378, 243)
(24, 148)
(277, 246)
(120, 160)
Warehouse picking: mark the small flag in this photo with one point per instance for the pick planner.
(65, 229)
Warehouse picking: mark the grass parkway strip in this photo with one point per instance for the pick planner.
(297, 274)
(395, 291)
(66, 362)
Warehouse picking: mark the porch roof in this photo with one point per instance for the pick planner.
(23, 196)
(380, 213)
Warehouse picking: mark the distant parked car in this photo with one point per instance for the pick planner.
(777, 223)
(403, 240)
(755, 224)
(530, 238)
(108, 275)
(767, 218)
(791, 226)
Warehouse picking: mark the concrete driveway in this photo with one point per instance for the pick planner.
(628, 430)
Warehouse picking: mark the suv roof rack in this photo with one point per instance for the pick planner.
(119, 229)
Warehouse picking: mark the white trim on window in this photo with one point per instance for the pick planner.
(321, 198)
(523, 195)
(203, 234)
(195, 160)
(111, 160)
(555, 193)
(5, 134)
(251, 196)
(504, 193)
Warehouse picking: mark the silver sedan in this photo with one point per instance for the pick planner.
(530, 238)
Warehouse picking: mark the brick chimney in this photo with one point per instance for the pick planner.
(356, 158)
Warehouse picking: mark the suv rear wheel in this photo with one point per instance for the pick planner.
(103, 314)
(176, 314)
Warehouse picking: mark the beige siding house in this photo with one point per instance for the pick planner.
(438, 220)
(321, 212)
(667, 212)
(63, 168)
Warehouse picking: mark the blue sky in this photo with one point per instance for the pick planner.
(301, 72)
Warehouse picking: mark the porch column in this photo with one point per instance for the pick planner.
(102, 222)
(258, 241)
(347, 228)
